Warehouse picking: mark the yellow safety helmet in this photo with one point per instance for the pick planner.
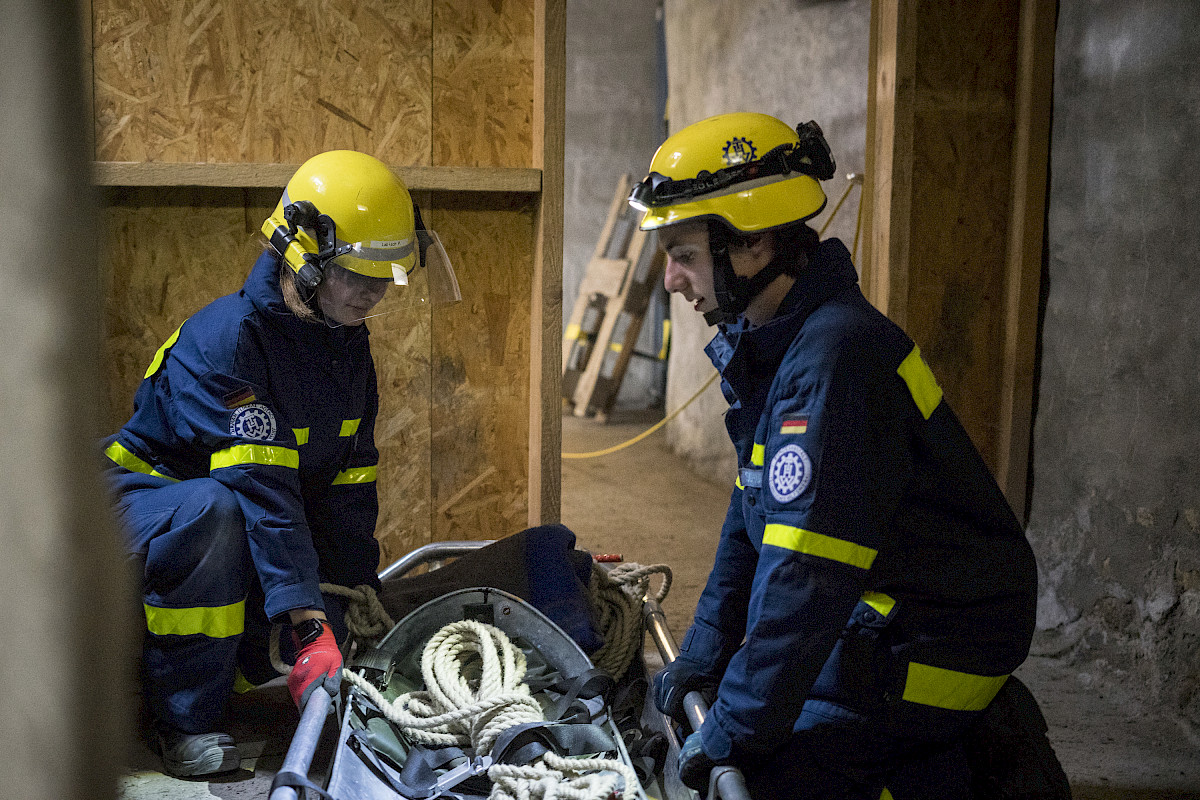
(346, 208)
(750, 170)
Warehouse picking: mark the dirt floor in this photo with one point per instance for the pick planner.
(644, 504)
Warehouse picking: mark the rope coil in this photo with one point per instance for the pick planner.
(474, 690)
(616, 599)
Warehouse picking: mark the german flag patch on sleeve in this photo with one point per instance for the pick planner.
(239, 398)
(793, 424)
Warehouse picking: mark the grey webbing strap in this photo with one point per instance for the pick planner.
(425, 785)
(591, 683)
(520, 744)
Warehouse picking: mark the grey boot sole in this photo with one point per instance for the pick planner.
(203, 754)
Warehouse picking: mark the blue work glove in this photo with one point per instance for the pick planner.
(694, 764)
(674, 681)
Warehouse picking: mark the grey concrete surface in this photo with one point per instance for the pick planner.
(60, 576)
(613, 125)
(797, 61)
(1115, 508)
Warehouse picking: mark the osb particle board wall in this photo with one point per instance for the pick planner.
(445, 88)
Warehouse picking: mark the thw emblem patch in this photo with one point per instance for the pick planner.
(790, 473)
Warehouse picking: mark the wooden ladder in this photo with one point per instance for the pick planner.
(614, 296)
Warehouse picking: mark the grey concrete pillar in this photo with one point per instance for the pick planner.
(64, 680)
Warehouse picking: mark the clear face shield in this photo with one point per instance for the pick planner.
(349, 295)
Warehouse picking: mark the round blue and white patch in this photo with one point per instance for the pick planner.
(254, 421)
(790, 473)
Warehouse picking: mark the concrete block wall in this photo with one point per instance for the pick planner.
(1115, 495)
(797, 61)
(613, 125)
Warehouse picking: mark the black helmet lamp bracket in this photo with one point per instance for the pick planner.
(311, 268)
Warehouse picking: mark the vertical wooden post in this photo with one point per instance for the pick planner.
(888, 187)
(958, 112)
(1031, 157)
(545, 369)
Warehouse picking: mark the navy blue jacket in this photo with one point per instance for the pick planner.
(859, 497)
(280, 411)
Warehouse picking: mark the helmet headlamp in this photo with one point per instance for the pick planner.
(809, 156)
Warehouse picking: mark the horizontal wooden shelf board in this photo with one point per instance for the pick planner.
(247, 176)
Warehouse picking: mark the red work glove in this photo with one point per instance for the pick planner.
(318, 663)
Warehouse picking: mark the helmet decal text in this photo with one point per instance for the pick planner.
(738, 150)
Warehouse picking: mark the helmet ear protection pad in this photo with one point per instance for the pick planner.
(309, 267)
(809, 156)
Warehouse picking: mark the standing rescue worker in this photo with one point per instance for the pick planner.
(872, 588)
(246, 475)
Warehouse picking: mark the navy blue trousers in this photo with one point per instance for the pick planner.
(201, 596)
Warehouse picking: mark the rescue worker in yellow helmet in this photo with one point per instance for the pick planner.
(872, 589)
(246, 475)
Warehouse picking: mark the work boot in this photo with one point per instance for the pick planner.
(187, 755)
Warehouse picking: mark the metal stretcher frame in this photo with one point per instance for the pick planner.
(725, 782)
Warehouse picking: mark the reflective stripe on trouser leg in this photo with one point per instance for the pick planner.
(197, 568)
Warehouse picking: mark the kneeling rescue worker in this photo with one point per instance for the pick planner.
(246, 475)
(872, 589)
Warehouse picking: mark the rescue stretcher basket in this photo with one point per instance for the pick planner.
(353, 774)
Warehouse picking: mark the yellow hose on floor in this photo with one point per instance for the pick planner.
(648, 431)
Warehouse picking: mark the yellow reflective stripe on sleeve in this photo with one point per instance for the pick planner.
(120, 455)
(946, 688)
(350, 427)
(301, 435)
(162, 353)
(356, 475)
(738, 481)
(216, 622)
(265, 454)
(921, 384)
(758, 454)
(816, 544)
(880, 602)
(240, 684)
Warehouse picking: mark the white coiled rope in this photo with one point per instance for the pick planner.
(474, 690)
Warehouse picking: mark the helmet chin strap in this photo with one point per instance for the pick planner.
(735, 292)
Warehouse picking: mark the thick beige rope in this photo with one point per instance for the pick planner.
(366, 618)
(474, 690)
(617, 595)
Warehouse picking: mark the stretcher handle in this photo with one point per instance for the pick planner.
(304, 742)
(725, 782)
(425, 554)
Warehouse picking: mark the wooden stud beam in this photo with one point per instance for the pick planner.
(248, 176)
(958, 128)
(545, 360)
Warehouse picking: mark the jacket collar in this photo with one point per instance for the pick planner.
(262, 289)
(742, 352)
